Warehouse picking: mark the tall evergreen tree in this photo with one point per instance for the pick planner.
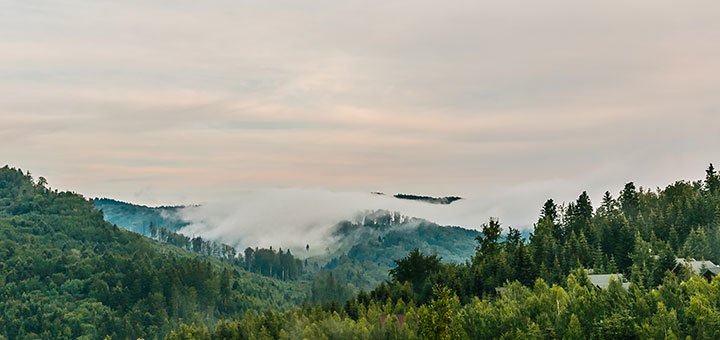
(549, 211)
(629, 201)
(712, 180)
(579, 215)
(489, 239)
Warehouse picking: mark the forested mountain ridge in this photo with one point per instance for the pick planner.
(140, 218)
(392, 229)
(541, 288)
(367, 246)
(346, 234)
(360, 252)
(66, 273)
(163, 224)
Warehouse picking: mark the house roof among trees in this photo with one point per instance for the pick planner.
(602, 281)
(698, 267)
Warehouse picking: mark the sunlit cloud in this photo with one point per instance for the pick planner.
(187, 102)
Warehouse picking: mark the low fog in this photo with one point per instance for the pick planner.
(292, 218)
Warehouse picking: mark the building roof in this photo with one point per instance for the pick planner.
(698, 267)
(602, 281)
(714, 270)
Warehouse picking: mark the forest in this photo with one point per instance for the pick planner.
(164, 224)
(66, 273)
(538, 288)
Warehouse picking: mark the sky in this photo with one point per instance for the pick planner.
(506, 103)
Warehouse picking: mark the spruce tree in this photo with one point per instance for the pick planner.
(630, 201)
(712, 180)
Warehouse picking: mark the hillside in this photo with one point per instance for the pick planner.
(368, 246)
(361, 252)
(139, 218)
(66, 273)
(536, 288)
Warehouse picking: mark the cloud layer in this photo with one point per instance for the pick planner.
(294, 218)
(503, 102)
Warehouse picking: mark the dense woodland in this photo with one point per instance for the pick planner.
(278, 264)
(571, 309)
(164, 224)
(361, 253)
(538, 288)
(140, 218)
(378, 238)
(265, 261)
(65, 273)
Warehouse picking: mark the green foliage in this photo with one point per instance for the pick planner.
(539, 289)
(415, 267)
(268, 262)
(139, 218)
(440, 320)
(190, 332)
(569, 310)
(66, 273)
(326, 289)
(163, 224)
(367, 248)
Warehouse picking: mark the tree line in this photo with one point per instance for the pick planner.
(278, 264)
(65, 273)
(539, 287)
(573, 308)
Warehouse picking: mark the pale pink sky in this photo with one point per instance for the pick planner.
(509, 102)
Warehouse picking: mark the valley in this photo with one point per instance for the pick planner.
(72, 267)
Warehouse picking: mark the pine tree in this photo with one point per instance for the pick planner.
(439, 319)
(642, 262)
(664, 263)
(630, 201)
(549, 215)
(489, 238)
(579, 215)
(697, 245)
(574, 329)
(608, 202)
(549, 211)
(712, 180)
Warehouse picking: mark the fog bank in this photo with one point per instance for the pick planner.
(296, 217)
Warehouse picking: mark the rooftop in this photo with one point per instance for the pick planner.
(698, 267)
(602, 281)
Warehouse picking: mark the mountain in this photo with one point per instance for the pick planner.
(139, 218)
(66, 273)
(361, 252)
(368, 246)
(608, 271)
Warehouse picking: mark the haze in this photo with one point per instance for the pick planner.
(506, 103)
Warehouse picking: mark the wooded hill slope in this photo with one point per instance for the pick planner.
(65, 273)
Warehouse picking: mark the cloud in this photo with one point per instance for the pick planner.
(186, 101)
(293, 218)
